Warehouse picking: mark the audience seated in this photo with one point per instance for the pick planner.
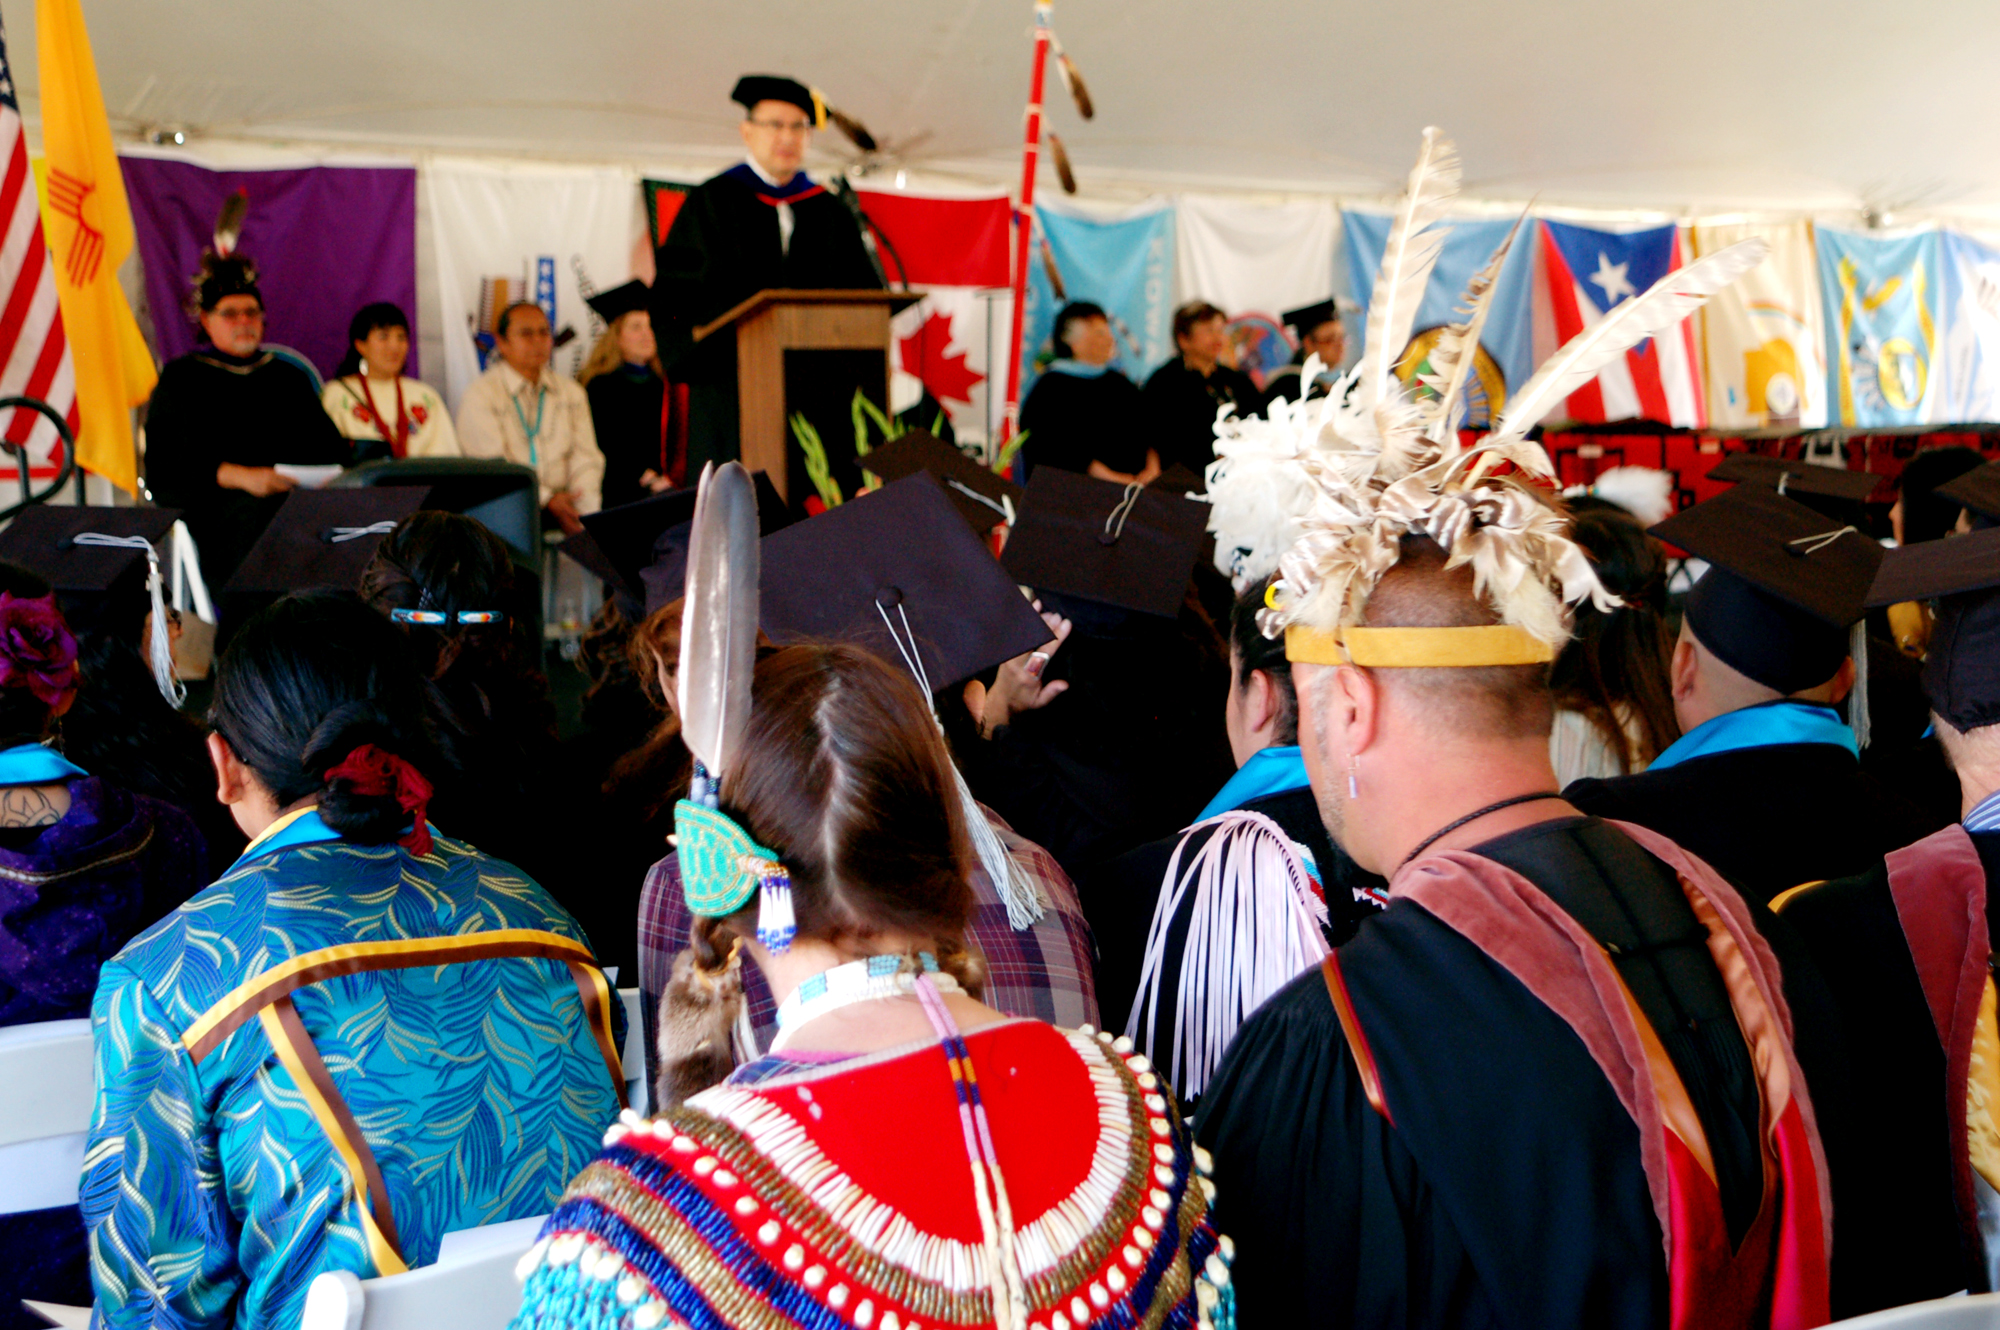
(524, 412)
(449, 585)
(223, 419)
(364, 1036)
(1183, 395)
(84, 866)
(628, 397)
(371, 401)
(1082, 414)
(1614, 702)
(842, 774)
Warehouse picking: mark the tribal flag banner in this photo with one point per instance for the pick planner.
(1967, 369)
(1763, 334)
(663, 203)
(1254, 261)
(90, 233)
(954, 250)
(1506, 344)
(1881, 298)
(1124, 263)
(1587, 273)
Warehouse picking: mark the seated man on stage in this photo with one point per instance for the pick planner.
(225, 416)
(526, 413)
(760, 225)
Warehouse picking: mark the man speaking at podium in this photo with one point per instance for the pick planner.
(759, 225)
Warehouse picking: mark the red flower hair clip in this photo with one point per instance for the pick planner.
(374, 772)
(37, 650)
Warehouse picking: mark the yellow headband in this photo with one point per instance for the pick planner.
(1488, 644)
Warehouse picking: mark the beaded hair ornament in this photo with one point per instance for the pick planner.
(722, 866)
(1381, 461)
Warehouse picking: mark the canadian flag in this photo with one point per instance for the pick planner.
(955, 250)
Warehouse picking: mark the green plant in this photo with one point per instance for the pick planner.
(814, 451)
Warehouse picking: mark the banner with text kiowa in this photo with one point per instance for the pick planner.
(1967, 368)
(1124, 263)
(1881, 297)
(1506, 344)
(1762, 334)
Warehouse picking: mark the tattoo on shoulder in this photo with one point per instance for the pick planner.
(28, 806)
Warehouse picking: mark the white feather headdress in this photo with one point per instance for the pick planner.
(1383, 466)
(1258, 491)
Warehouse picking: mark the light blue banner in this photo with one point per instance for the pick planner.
(1508, 339)
(1967, 369)
(1881, 298)
(1126, 265)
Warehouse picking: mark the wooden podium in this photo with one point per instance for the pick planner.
(775, 321)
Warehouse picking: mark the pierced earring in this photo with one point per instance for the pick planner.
(1354, 776)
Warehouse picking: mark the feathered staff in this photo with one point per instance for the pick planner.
(1408, 256)
(719, 624)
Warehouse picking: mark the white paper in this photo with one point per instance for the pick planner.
(309, 477)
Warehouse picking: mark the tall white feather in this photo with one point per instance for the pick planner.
(719, 620)
(1457, 348)
(1668, 301)
(1408, 256)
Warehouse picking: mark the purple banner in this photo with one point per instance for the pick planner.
(327, 240)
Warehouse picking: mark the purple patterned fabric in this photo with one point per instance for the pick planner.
(1047, 971)
(327, 240)
(73, 898)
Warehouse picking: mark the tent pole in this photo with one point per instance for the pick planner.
(1024, 220)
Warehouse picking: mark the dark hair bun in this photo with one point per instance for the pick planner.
(369, 819)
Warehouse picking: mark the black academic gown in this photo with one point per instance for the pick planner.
(724, 248)
(626, 408)
(1766, 818)
(1072, 420)
(1509, 1190)
(1919, 1248)
(210, 408)
(1181, 406)
(1120, 896)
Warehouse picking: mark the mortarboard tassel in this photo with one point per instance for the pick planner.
(160, 646)
(1857, 697)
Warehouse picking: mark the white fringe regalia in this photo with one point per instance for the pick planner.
(1325, 491)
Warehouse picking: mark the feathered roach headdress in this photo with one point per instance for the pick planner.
(1383, 465)
(224, 272)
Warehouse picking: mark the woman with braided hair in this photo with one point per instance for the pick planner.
(904, 1155)
(365, 1035)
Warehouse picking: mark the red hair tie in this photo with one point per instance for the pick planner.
(374, 772)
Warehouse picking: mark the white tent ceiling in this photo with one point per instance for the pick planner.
(1786, 105)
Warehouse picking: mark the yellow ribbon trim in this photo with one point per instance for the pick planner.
(393, 948)
(1485, 644)
(279, 826)
(387, 1262)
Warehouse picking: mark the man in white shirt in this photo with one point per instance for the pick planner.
(521, 411)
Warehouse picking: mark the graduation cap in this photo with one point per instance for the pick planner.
(619, 301)
(1978, 492)
(1961, 575)
(754, 88)
(1827, 490)
(984, 498)
(1178, 479)
(896, 571)
(1308, 317)
(1117, 545)
(323, 538)
(1784, 585)
(641, 548)
(87, 552)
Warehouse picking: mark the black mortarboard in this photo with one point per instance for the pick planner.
(1129, 548)
(900, 554)
(1978, 492)
(1961, 575)
(1784, 585)
(91, 580)
(1308, 317)
(982, 497)
(754, 88)
(641, 548)
(620, 300)
(1178, 479)
(323, 538)
(1825, 489)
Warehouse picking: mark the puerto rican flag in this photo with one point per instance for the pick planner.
(1589, 273)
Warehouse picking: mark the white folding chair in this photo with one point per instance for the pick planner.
(1980, 1312)
(48, 1083)
(638, 1092)
(471, 1287)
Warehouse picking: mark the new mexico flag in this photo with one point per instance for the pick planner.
(89, 227)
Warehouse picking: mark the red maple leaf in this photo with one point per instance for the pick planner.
(947, 377)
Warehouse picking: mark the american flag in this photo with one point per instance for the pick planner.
(34, 355)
